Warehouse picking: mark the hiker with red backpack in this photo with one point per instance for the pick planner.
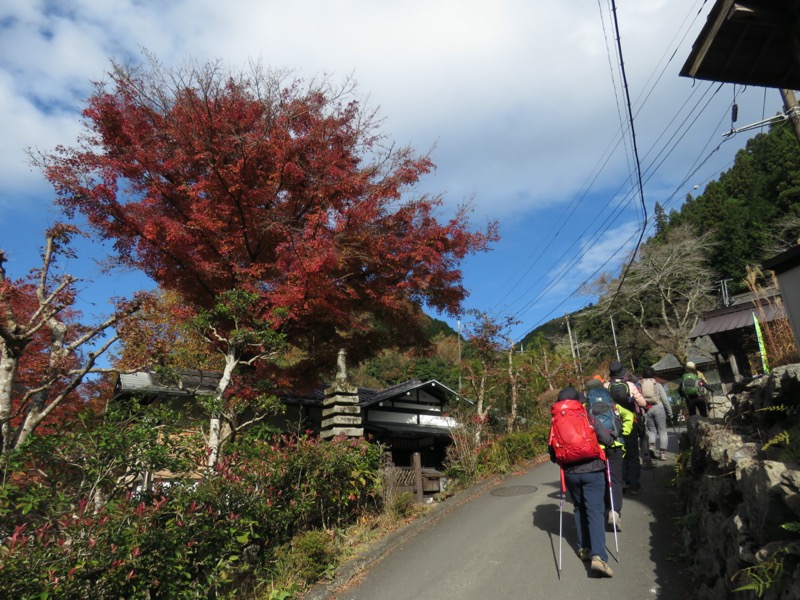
(574, 444)
(626, 394)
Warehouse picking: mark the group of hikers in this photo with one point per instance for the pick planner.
(603, 437)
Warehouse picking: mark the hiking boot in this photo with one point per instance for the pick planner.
(635, 490)
(585, 554)
(612, 518)
(600, 566)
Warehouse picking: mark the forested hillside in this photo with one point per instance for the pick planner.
(752, 210)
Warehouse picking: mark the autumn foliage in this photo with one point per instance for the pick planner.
(211, 181)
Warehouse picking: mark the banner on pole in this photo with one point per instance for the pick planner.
(761, 348)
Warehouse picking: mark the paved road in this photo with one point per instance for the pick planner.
(501, 541)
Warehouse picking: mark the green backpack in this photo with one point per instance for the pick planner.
(690, 385)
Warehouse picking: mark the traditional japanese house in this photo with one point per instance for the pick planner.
(407, 418)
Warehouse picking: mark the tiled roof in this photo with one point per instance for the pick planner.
(434, 387)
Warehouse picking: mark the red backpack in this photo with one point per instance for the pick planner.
(572, 437)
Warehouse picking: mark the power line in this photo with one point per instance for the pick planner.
(605, 157)
(662, 152)
(563, 220)
(636, 157)
(615, 253)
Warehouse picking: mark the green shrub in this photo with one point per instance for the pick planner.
(188, 540)
(511, 450)
(401, 505)
(158, 547)
(311, 554)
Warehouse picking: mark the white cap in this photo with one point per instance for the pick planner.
(690, 365)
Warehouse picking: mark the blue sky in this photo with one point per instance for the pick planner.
(519, 102)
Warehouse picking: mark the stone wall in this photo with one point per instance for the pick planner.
(735, 494)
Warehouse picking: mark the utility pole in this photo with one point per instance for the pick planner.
(614, 333)
(571, 345)
(791, 107)
(459, 358)
(724, 286)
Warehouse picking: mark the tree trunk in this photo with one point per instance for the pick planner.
(33, 416)
(8, 367)
(35, 412)
(216, 434)
(512, 379)
(214, 440)
(479, 408)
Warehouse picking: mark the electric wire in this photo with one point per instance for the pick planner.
(586, 281)
(697, 165)
(605, 158)
(601, 229)
(665, 151)
(565, 267)
(608, 153)
(683, 182)
(636, 159)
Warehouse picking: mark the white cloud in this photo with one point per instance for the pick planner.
(517, 96)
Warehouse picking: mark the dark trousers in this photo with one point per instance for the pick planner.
(696, 405)
(614, 455)
(631, 469)
(586, 491)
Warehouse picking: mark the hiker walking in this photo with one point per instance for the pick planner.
(627, 395)
(693, 390)
(659, 410)
(574, 444)
(620, 423)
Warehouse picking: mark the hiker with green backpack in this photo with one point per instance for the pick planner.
(693, 389)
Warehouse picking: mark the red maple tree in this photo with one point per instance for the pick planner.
(211, 181)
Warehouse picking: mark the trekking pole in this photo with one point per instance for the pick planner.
(560, 519)
(613, 512)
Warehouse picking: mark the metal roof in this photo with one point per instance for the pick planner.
(670, 363)
(748, 42)
(738, 316)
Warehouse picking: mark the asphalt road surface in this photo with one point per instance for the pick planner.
(501, 540)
